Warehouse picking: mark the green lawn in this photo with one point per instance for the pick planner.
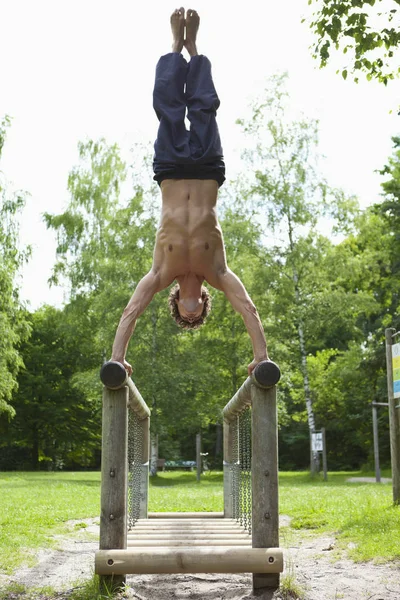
(35, 505)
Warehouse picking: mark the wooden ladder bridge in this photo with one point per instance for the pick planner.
(190, 542)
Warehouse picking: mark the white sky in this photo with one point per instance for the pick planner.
(85, 68)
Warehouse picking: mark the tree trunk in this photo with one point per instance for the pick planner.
(314, 458)
(153, 453)
(35, 449)
(198, 456)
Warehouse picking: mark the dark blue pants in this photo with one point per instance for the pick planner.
(179, 153)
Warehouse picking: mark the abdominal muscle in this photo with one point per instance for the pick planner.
(189, 235)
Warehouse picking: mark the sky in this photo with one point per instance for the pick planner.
(84, 69)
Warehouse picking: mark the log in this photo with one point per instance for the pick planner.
(264, 472)
(188, 535)
(191, 530)
(265, 375)
(189, 560)
(187, 542)
(114, 377)
(114, 470)
(186, 515)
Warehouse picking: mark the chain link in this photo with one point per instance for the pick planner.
(235, 469)
(245, 469)
(241, 469)
(135, 453)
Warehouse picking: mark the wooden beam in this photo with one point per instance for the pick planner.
(186, 515)
(191, 530)
(115, 377)
(264, 471)
(265, 375)
(189, 560)
(184, 543)
(114, 473)
(188, 535)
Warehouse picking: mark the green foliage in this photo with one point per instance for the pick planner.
(105, 245)
(324, 302)
(310, 307)
(54, 426)
(366, 31)
(13, 325)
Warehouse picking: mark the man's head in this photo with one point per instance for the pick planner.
(189, 313)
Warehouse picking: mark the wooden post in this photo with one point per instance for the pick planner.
(198, 455)
(393, 418)
(114, 478)
(265, 512)
(376, 442)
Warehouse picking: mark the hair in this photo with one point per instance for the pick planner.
(175, 314)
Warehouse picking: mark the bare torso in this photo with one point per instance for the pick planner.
(189, 238)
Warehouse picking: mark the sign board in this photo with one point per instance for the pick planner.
(316, 442)
(396, 369)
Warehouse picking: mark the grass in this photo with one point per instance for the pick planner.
(87, 590)
(180, 492)
(359, 513)
(35, 506)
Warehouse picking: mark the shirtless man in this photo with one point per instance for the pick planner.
(189, 168)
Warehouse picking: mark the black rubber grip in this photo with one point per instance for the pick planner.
(267, 373)
(113, 374)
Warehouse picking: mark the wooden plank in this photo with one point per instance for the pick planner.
(186, 523)
(188, 536)
(181, 529)
(187, 542)
(189, 560)
(186, 515)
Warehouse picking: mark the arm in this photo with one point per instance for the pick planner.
(237, 295)
(141, 298)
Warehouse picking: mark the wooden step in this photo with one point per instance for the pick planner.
(188, 559)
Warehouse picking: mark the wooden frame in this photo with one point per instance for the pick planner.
(190, 542)
(264, 468)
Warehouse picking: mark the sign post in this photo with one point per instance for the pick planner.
(318, 444)
(393, 384)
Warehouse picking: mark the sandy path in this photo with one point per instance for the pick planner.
(311, 561)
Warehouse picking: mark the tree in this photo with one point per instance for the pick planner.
(367, 31)
(13, 325)
(55, 424)
(291, 198)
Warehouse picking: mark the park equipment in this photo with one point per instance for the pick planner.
(244, 538)
(393, 384)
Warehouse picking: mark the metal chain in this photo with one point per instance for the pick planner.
(135, 453)
(244, 491)
(235, 469)
(247, 467)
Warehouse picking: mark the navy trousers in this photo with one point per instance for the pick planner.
(179, 153)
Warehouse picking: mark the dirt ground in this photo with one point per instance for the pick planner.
(313, 562)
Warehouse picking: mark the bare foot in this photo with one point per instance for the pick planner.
(178, 29)
(192, 27)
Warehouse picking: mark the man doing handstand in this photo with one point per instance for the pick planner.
(189, 168)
